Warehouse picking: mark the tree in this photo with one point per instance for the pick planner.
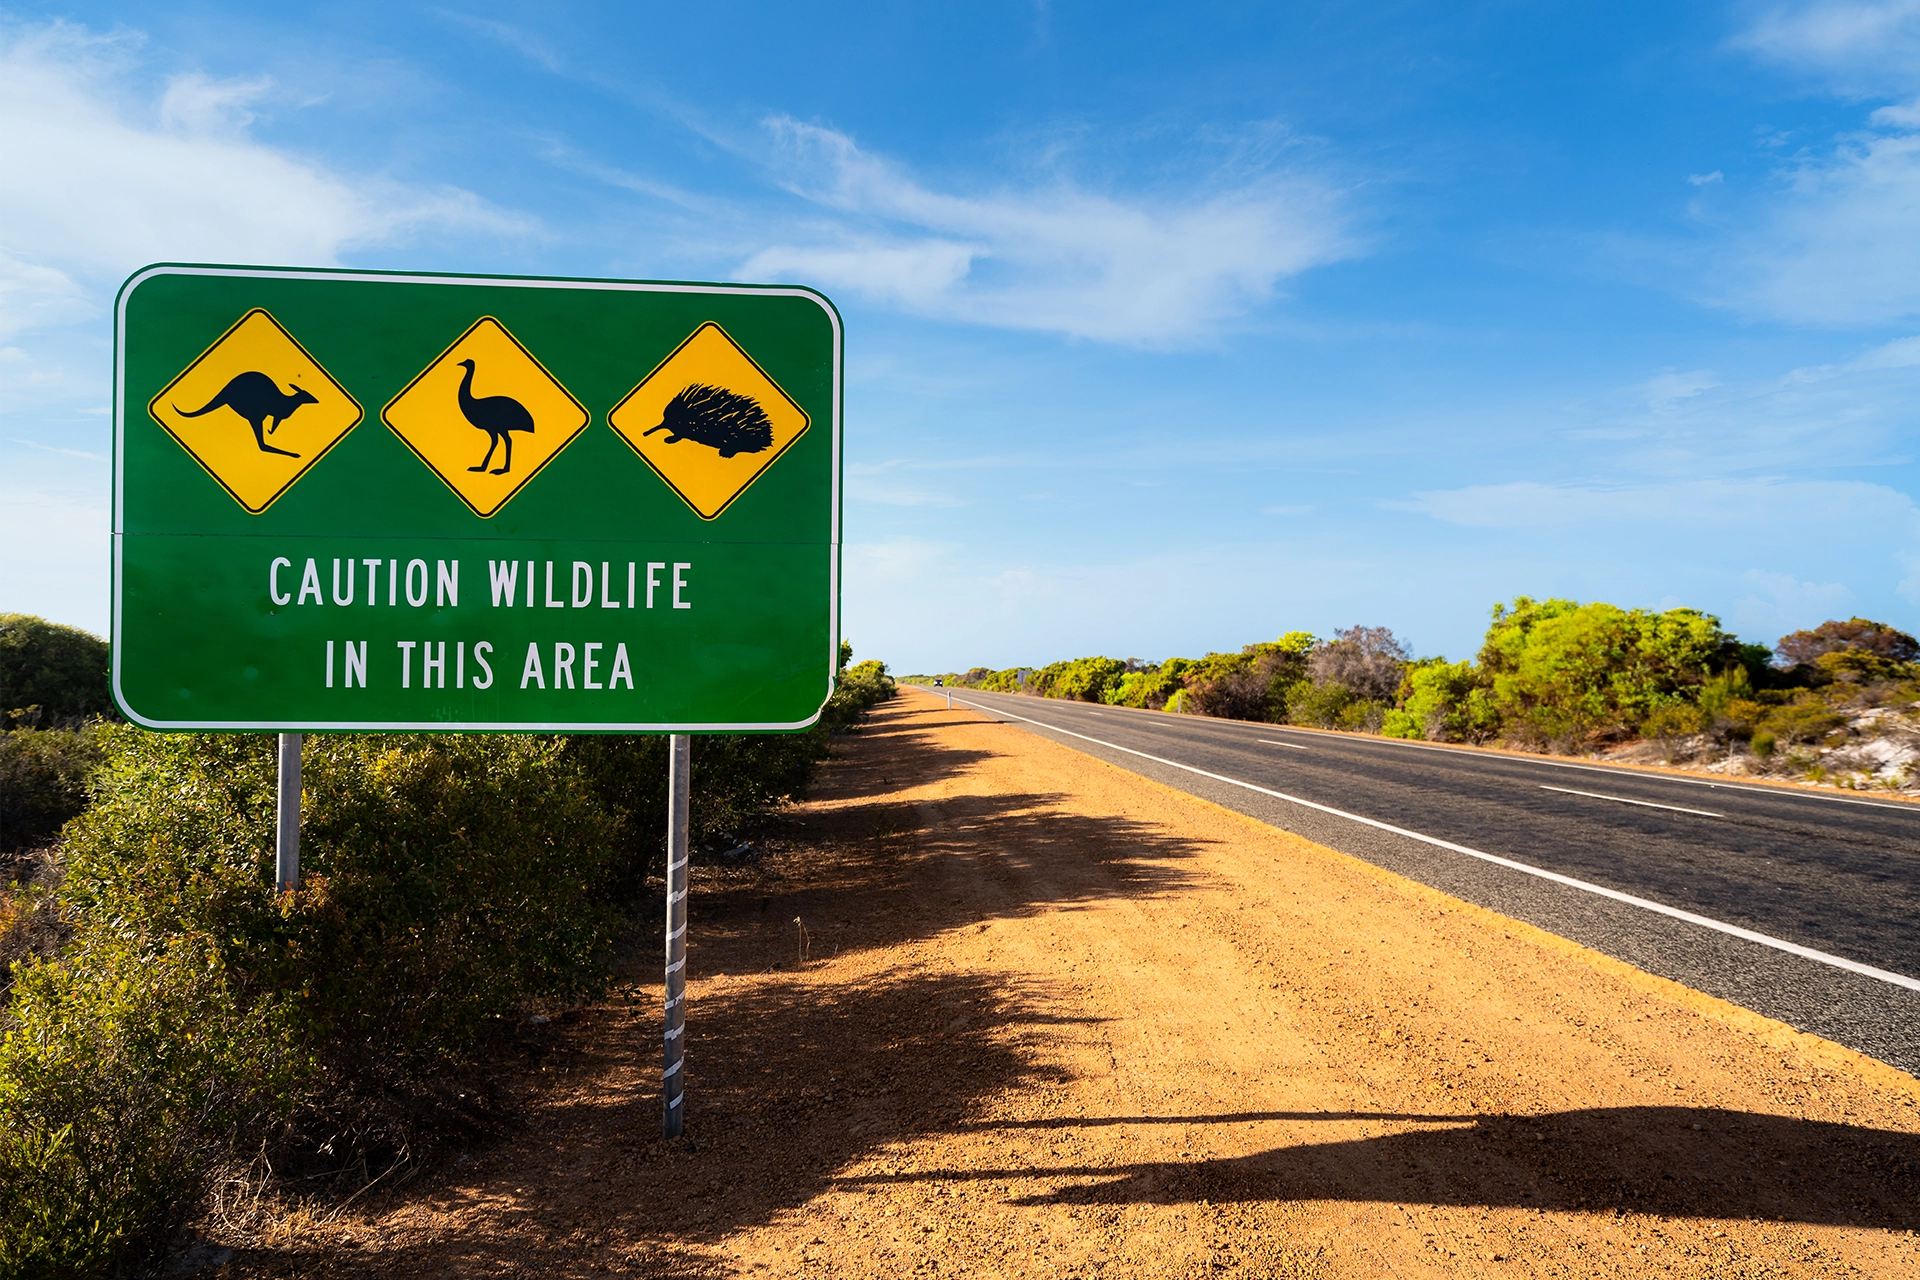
(1855, 634)
(1561, 669)
(1366, 661)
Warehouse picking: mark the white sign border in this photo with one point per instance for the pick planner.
(519, 282)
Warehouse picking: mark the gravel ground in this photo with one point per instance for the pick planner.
(1057, 1020)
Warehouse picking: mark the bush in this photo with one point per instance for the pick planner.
(448, 879)
(196, 1015)
(1562, 670)
(1449, 702)
(43, 782)
(1261, 682)
(56, 674)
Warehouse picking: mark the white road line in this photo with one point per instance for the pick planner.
(1646, 904)
(1270, 742)
(1644, 804)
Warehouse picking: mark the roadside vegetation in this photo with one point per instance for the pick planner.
(1835, 704)
(169, 1023)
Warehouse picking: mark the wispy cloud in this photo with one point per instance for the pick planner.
(1861, 47)
(1053, 256)
(100, 180)
(1834, 243)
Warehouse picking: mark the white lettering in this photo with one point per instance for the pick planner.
(582, 598)
(630, 571)
(329, 664)
(446, 576)
(357, 663)
(622, 670)
(273, 580)
(605, 602)
(310, 581)
(460, 665)
(679, 583)
(532, 670)
(406, 663)
(551, 602)
(480, 652)
(529, 584)
(430, 664)
(505, 575)
(562, 664)
(373, 573)
(412, 599)
(393, 582)
(336, 584)
(652, 581)
(587, 663)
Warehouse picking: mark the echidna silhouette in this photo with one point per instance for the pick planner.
(720, 419)
(498, 416)
(256, 397)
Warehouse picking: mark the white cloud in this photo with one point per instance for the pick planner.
(1057, 257)
(1835, 243)
(98, 181)
(1863, 47)
(1838, 245)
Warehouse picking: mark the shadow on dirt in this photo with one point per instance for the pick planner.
(803, 1076)
(1696, 1162)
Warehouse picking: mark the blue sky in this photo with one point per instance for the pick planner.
(1169, 328)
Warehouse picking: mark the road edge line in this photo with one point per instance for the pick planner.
(1645, 904)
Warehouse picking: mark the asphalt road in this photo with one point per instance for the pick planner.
(1833, 875)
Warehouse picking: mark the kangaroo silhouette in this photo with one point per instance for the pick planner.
(498, 416)
(256, 397)
(723, 420)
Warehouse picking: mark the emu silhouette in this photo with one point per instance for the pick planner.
(498, 416)
(256, 397)
(720, 419)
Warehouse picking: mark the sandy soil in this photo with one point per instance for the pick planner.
(1057, 1020)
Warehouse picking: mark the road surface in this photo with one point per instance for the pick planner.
(1801, 906)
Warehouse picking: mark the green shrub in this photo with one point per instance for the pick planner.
(1563, 670)
(1806, 719)
(1402, 724)
(1449, 702)
(1082, 679)
(1761, 743)
(447, 880)
(1675, 720)
(43, 782)
(1150, 689)
(60, 672)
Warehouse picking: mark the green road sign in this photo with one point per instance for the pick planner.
(354, 500)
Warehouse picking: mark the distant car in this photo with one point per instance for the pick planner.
(938, 682)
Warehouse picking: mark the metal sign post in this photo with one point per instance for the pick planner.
(679, 789)
(286, 835)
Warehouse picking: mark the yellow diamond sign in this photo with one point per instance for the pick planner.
(255, 410)
(485, 416)
(709, 420)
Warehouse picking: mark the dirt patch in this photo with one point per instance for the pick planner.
(1056, 1019)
